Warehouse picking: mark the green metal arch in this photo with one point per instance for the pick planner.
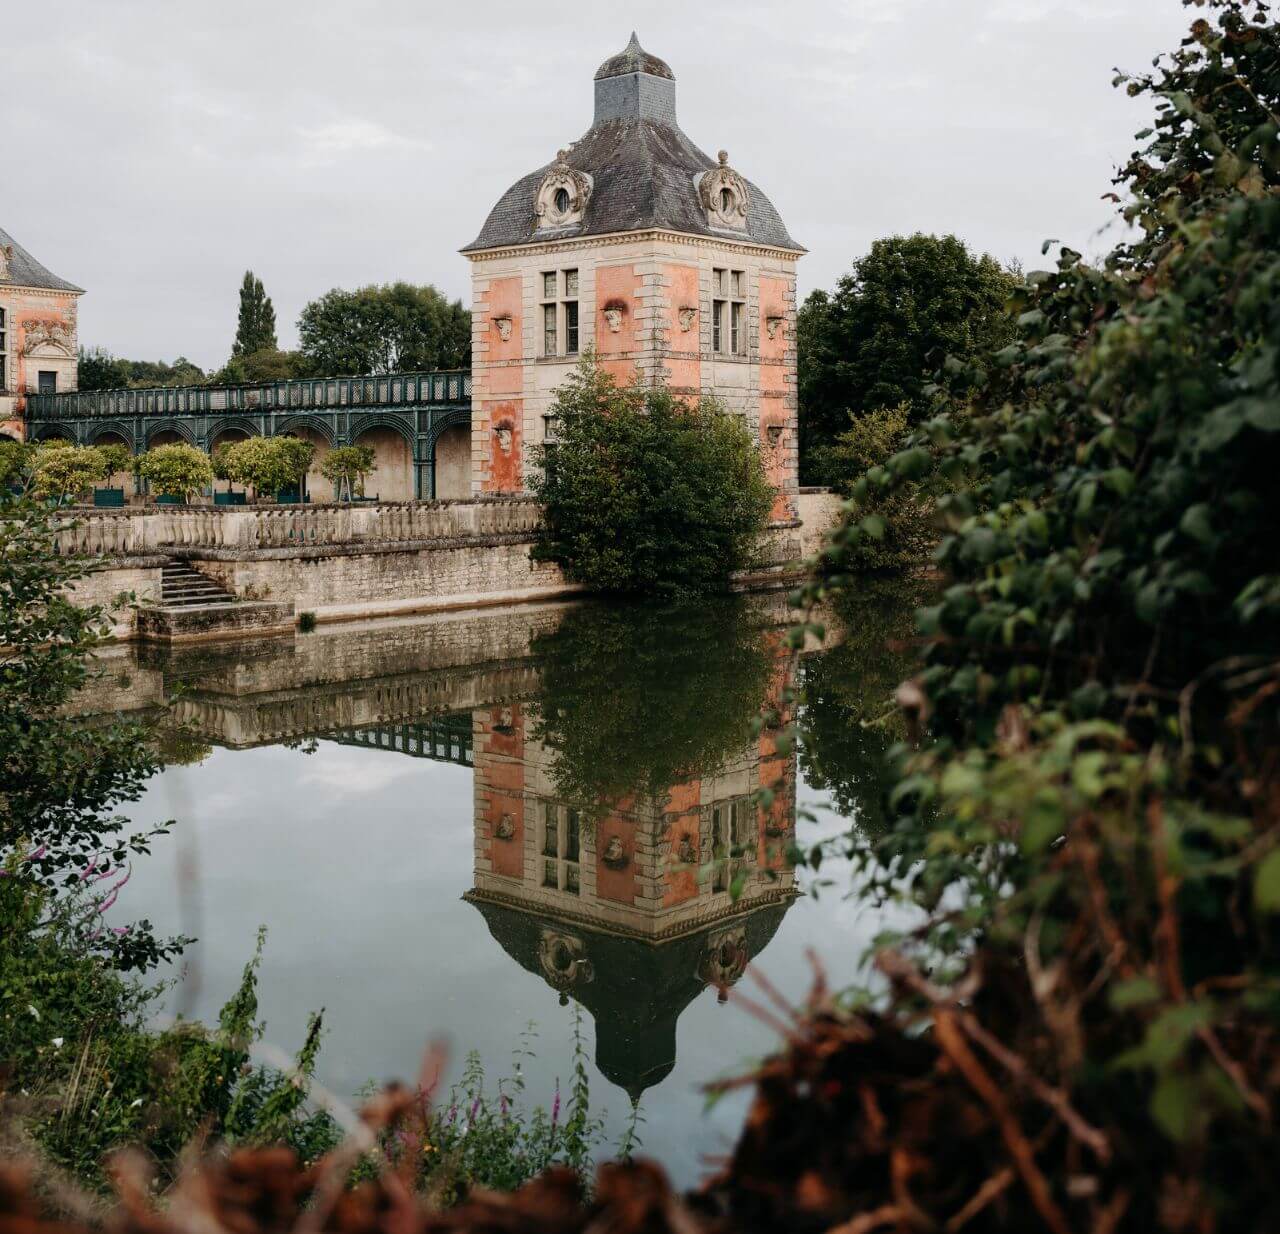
(115, 428)
(234, 424)
(458, 417)
(315, 423)
(44, 432)
(184, 431)
(399, 424)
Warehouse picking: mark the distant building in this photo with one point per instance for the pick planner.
(37, 332)
(671, 264)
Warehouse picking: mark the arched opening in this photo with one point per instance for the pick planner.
(317, 487)
(392, 475)
(453, 462)
(117, 479)
(228, 437)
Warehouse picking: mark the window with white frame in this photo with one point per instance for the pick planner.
(731, 840)
(729, 312)
(561, 842)
(560, 312)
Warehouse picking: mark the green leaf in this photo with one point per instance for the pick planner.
(1266, 883)
(1134, 992)
(1175, 1106)
(1197, 524)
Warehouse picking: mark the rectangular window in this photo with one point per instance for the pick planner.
(48, 382)
(729, 312)
(732, 842)
(550, 342)
(560, 312)
(4, 353)
(571, 327)
(560, 843)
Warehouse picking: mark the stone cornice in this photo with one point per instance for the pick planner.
(40, 291)
(611, 239)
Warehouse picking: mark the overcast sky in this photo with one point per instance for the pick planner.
(155, 149)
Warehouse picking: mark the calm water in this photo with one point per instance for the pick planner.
(461, 826)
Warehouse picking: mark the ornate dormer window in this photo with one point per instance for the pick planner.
(725, 196)
(6, 255)
(562, 195)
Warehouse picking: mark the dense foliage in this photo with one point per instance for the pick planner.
(268, 465)
(60, 781)
(645, 494)
(176, 470)
(256, 323)
(1091, 797)
(873, 343)
(99, 370)
(63, 472)
(396, 328)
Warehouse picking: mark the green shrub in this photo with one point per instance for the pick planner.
(905, 532)
(347, 467)
(16, 458)
(644, 494)
(267, 464)
(1087, 809)
(177, 470)
(61, 471)
(116, 458)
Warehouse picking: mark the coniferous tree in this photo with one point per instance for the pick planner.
(256, 328)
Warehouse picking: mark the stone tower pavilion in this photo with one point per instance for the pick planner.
(673, 265)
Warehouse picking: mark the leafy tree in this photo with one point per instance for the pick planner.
(396, 328)
(876, 340)
(115, 458)
(62, 780)
(61, 471)
(347, 467)
(256, 327)
(177, 470)
(264, 365)
(16, 459)
(267, 464)
(99, 370)
(1090, 810)
(645, 494)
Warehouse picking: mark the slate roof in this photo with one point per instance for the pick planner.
(25, 271)
(634, 59)
(644, 171)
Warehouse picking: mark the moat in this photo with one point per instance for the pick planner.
(471, 825)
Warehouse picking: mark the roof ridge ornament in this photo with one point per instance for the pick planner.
(724, 196)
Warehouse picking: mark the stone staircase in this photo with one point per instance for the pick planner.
(193, 608)
(183, 586)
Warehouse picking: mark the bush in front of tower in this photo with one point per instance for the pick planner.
(645, 494)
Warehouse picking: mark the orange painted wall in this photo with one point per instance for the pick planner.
(681, 823)
(684, 363)
(499, 760)
(502, 475)
(616, 885)
(618, 287)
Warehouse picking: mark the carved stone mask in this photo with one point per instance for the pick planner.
(773, 325)
(613, 317)
(686, 318)
(504, 328)
(504, 439)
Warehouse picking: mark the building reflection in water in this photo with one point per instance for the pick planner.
(632, 910)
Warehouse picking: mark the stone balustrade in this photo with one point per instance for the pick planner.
(119, 533)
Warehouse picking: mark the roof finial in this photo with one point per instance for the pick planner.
(634, 45)
(724, 158)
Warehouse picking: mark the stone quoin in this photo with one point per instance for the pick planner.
(671, 264)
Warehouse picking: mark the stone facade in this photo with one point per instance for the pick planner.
(685, 278)
(38, 333)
